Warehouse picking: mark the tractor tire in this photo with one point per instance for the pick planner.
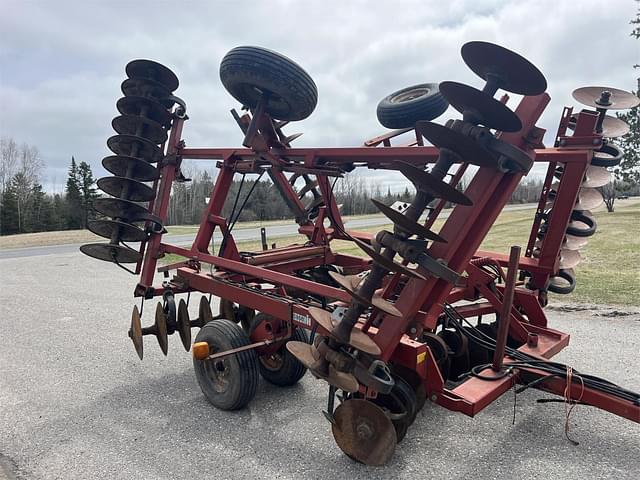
(589, 221)
(563, 288)
(247, 72)
(402, 109)
(281, 368)
(609, 155)
(228, 383)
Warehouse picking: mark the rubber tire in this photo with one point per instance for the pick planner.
(223, 335)
(291, 370)
(578, 216)
(563, 290)
(401, 392)
(394, 112)
(244, 69)
(610, 149)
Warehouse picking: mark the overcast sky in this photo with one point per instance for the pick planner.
(62, 62)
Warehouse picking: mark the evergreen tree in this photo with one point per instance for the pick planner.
(9, 211)
(87, 190)
(74, 197)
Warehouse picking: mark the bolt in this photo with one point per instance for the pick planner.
(364, 430)
(433, 398)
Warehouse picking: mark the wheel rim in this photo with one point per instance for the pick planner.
(273, 362)
(410, 95)
(218, 371)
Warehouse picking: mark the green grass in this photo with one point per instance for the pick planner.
(609, 273)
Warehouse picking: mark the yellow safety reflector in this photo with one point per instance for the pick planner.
(419, 359)
(200, 350)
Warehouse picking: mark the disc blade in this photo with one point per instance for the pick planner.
(119, 208)
(513, 72)
(155, 71)
(204, 312)
(126, 231)
(145, 87)
(145, 107)
(132, 146)
(184, 324)
(569, 258)
(140, 127)
(111, 253)
(484, 109)
(390, 265)
(467, 149)
(161, 329)
(135, 332)
(596, 177)
(342, 380)
(588, 199)
(574, 243)
(358, 339)
(131, 167)
(612, 127)
(615, 100)
(363, 431)
(427, 182)
(126, 188)
(405, 224)
(348, 284)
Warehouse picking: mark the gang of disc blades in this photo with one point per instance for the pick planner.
(145, 87)
(111, 253)
(135, 332)
(133, 146)
(347, 284)
(131, 167)
(390, 265)
(184, 324)
(119, 208)
(358, 339)
(588, 199)
(140, 127)
(596, 177)
(153, 70)
(467, 149)
(618, 99)
(425, 181)
(363, 431)
(145, 107)
(126, 231)
(126, 188)
(569, 258)
(513, 72)
(484, 109)
(161, 329)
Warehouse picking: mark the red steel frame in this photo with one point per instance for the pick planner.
(250, 280)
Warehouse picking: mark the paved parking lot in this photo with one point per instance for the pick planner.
(75, 401)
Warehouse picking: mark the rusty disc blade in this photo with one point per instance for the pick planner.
(184, 324)
(111, 253)
(390, 265)
(405, 224)
(155, 71)
(569, 258)
(161, 329)
(204, 311)
(358, 339)
(468, 150)
(135, 331)
(131, 167)
(304, 353)
(140, 127)
(428, 182)
(572, 242)
(615, 100)
(126, 188)
(588, 199)
(350, 284)
(145, 87)
(132, 146)
(363, 431)
(126, 231)
(513, 72)
(119, 208)
(145, 107)
(596, 177)
(484, 109)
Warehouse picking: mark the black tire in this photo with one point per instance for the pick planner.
(229, 383)
(282, 368)
(401, 399)
(247, 71)
(563, 289)
(402, 109)
(613, 158)
(590, 222)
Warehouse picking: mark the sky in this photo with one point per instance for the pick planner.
(62, 62)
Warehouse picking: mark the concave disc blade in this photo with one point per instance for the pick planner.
(132, 146)
(111, 253)
(572, 242)
(407, 224)
(467, 149)
(358, 339)
(569, 258)
(204, 311)
(612, 127)
(145, 87)
(119, 208)
(596, 177)
(140, 127)
(617, 99)
(485, 109)
(135, 332)
(184, 324)
(155, 71)
(145, 107)
(514, 73)
(385, 262)
(131, 167)
(126, 231)
(427, 182)
(161, 329)
(588, 199)
(347, 284)
(126, 188)
(363, 431)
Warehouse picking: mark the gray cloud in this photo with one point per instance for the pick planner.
(62, 62)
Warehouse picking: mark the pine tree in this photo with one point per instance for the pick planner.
(88, 191)
(9, 223)
(74, 197)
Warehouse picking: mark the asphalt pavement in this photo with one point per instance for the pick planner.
(75, 401)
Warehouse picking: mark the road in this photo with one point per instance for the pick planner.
(76, 403)
(240, 235)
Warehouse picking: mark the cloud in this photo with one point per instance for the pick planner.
(63, 62)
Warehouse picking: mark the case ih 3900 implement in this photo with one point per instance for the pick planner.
(390, 330)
